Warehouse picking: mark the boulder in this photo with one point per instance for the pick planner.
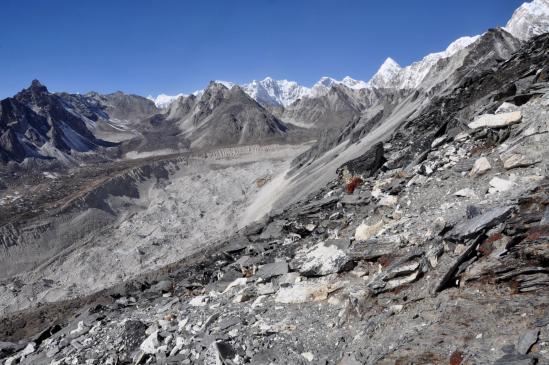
(501, 184)
(526, 340)
(466, 193)
(364, 232)
(199, 301)
(496, 120)
(480, 167)
(268, 271)
(320, 260)
(365, 165)
(517, 160)
(272, 231)
(218, 353)
(151, 344)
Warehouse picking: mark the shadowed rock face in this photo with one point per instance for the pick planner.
(367, 164)
(36, 123)
(218, 117)
(225, 116)
(114, 106)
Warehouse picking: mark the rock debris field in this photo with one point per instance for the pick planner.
(442, 262)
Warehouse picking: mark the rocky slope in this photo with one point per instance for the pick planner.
(414, 231)
(35, 123)
(442, 260)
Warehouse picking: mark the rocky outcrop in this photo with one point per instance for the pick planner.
(37, 124)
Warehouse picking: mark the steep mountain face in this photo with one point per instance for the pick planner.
(271, 92)
(412, 77)
(385, 75)
(163, 101)
(225, 116)
(529, 20)
(123, 107)
(219, 116)
(331, 109)
(36, 123)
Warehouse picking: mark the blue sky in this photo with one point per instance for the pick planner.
(148, 47)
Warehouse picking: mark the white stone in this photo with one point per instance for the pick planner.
(199, 301)
(480, 167)
(308, 356)
(29, 349)
(506, 107)
(304, 292)
(321, 260)
(288, 278)
(364, 232)
(501, 185)
(388, 200)
(235, 283)
(460, 137)
(151, 344)
(80, 330)
(496, 120)
(466, 193)
(438, 141)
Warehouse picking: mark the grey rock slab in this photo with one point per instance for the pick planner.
(516, 160)
(163, 286)
(218, 352)
(471, 227)
(355, 199)
(481, 166)
(228, 322)
(526, 340)
(8, 348)
(456, 266)
(499, 184)
(496, 120)
(272, 231)
(315, 206)
(370, 249)
(268, 271)
(515, 359)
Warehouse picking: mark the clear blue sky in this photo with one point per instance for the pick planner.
(148, 47)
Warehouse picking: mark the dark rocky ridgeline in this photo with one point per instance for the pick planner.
(432, 260)
(36, 123)
(513, 80)
(374, 106)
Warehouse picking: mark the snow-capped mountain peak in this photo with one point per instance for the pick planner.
(163, 101)
(529, 20)
(354, 84)
(325, 81)
(389, 66)
(458, 45)
(386, 74)
(275, 92)
(227, 84)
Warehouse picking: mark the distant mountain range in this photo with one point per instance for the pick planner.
(529, 20)
(73, 129)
